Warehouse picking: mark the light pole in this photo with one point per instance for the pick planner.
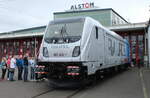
(35, 50)
(148, 32)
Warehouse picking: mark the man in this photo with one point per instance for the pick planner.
(12, 68)
(19, 63)
(32, 68)
(25, 67)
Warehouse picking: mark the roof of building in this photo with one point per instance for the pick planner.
(28, 32)
(129, 27)
(90, 10)
(23, 33)
(22, 30)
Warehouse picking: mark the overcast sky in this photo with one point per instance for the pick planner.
(20, 14)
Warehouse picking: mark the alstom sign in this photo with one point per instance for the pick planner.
(82, 6)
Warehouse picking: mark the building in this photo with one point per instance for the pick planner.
(20, 42)
(107, 17)
(137, 36)
(24, 41)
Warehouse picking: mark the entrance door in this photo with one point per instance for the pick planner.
(137, 48)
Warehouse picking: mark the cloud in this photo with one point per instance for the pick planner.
(18, 14)
(14, 20)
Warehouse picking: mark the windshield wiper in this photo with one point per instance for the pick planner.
(63, 31)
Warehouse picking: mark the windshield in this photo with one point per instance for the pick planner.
(64, 32)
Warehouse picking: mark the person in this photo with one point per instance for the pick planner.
(19, 63)
(0, 64)
(8, 66)
(132, 63)
(12, 68)
(32, 68)
(3, 66)
(25, 68)
(138, 62)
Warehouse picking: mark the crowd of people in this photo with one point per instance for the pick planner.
(25, 65)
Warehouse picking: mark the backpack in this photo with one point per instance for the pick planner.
(3, 65)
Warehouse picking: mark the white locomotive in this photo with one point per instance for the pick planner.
(73, 49)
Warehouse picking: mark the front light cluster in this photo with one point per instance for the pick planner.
(76, 51)
(45, 52)
(73, 70)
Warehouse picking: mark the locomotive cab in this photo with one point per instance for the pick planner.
(61, 42)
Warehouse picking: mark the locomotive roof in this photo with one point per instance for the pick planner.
(65, 20)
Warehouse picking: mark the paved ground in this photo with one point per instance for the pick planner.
(133, 83)
(123, 85)
(146, 78)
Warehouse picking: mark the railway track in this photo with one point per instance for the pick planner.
(51, 90)
(76, 91)
(40, 94)
(70, 95)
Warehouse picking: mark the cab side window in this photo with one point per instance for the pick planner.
(96, 29)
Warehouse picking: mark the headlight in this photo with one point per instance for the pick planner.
(76, 51)
(45, 52)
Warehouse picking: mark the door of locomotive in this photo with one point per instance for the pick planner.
(101, 45)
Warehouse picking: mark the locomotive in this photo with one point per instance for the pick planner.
(75, 49)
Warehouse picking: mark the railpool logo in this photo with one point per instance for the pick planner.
(60, 46)
(82, 6)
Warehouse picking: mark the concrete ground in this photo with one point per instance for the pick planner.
(133, 83)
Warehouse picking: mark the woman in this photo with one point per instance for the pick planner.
(8, 66)
(4, 66)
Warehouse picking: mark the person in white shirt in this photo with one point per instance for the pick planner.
(12, 68)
